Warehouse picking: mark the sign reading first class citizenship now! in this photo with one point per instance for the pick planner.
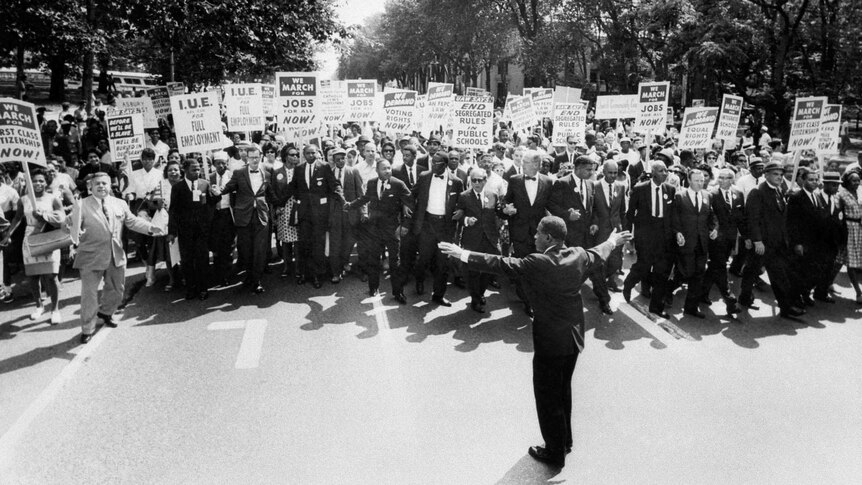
(728, 119)
(197, 121)
(20, 137)
(297, 99)
(161, 99)
(652, 107)
(805, 124)
(244, 107)
(125, 135)
(473, 122)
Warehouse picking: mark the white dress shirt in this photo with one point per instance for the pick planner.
(221, 181)
(437, 196)
(256, 179)
(532, 187)
(656, 211)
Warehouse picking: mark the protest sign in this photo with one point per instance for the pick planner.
(438, 106)
(473, 122)
(543, 102)
(830, 128)
(197, 122)
(399, 109)
(20, 137)
(698, 103)
(521, 112)
(161, 98)
(728, 120)
(471, 91)
(616, 107)
(563, 94)
(145, 105)
(360, 100)
(176, 88)
(419, 119)
(652, 107)
(333, 102)
(697, 125)
(126, 135)
(267, 92)
(298, 105)
(570, 119)
(805, 124)
(244, 107)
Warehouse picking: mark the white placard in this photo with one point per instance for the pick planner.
(543, 102)
(438, 106)
(125, 135)
(333, 102)
(652, 107)
(268, 94)
(399, 109)
(697, 126)
(197, 122)
(20, 136)
(805, 124)
(244, 107)
(161, 98)
(297, 109)
(616, 107)
(728, 119)
(521, 112)
(830, 130)
(473, 122)
(361, 100)
(570, 119)
(145, 105)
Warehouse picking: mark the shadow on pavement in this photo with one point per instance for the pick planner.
(40, 354)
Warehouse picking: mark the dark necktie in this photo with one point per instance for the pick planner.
(105, 212)
(529, 178)
(727, 197)
(779, 200)
(410, 175)
(438, 176)
(657, 205)
(254, 171)
(696, 202)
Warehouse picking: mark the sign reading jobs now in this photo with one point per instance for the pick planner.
(126, 135)
(473, 122)
(197, 121)
(20, 139)
(360, 100)
(805, 124)
(244, 107)
(298, 104)
(652, 107)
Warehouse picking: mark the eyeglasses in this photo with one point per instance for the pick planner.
(388, 151)
(477, 181)
(293, 154)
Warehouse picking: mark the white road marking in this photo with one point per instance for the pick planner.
(250, 349)
(11, 437)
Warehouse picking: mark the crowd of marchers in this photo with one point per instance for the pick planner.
(361, 203)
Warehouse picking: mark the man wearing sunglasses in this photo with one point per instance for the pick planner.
(479, 232)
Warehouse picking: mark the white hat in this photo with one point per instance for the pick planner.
(220, 155)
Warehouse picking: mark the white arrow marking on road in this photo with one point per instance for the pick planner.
(248, 356)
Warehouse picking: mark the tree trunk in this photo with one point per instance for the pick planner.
(57, 64)
(19, 72)
(89, 60)
(488, 77)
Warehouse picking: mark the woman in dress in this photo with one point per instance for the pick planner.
(160, 248)
(851, 254)
(46, 215)
(285, 215)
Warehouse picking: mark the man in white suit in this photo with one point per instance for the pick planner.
(101, 255)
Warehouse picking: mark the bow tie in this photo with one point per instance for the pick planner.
(254, 171)
(529, 178)
(438, 176)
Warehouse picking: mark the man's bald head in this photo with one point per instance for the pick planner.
(610, 169)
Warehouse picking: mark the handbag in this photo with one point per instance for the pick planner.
(46, 242)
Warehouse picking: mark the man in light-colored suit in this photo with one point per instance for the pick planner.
(609, 213)
(101, 255)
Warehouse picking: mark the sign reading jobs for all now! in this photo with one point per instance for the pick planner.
(728, 119)
(652, 107)
(805, 124)
(570, 119)
(473, 122)
(399, 110)
(616, 107)
(244, 107)
(697, 125)
(360, 100)
(297, 99)
(197, 121)
(126, 135)
(830, 130)
(20, 137)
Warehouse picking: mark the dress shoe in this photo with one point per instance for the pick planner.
(746, 302)
(729, 297)
(544, 455)
(528, 310)
(694, 312)
(300, 280)
(477, 307)
(204, 295)
(108, 319)
(627, 294)
(316, 283)
(420, 288)
(613, 287)
(733, 309)
(441, 301)
(400, 298)
(791, 312)
(85, 337)
(668, 300)
(336, 279)
(807, 301)
(259, 289)
(825, 299)
(373, 292)
(606, 309)
(660, 313)
(459, 282)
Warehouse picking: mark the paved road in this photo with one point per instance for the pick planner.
(298, 386)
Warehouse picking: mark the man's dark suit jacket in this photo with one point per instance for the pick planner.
(552, 284)
(635, 171)
(461, 175)
(523, 224)
(766, 212)
(652, 234)
(563, 198)
(731, 219)
(187, 216)
(248, 203)
(352, 189)
(834, 232)
(423, 186)
(486, 215)
(806, 224)
(608, 215)
(388, 207)
(400, 172)
(561, 159)
(313, 202)
(694, 225)
(511, 172)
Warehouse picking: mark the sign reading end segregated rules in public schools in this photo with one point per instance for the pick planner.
(20, 138)
(473, 122)
(197, 122)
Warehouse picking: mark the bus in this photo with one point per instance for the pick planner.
(124, 81)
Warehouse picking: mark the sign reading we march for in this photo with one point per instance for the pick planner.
(297, 99)
(20, 137)
(728, 120)
(697, 125)
(244, 107)
(652, 107)
(197, 121)
(360, 100)
(805, 124)
(473, 122)
(161, 99)
(125, 135)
